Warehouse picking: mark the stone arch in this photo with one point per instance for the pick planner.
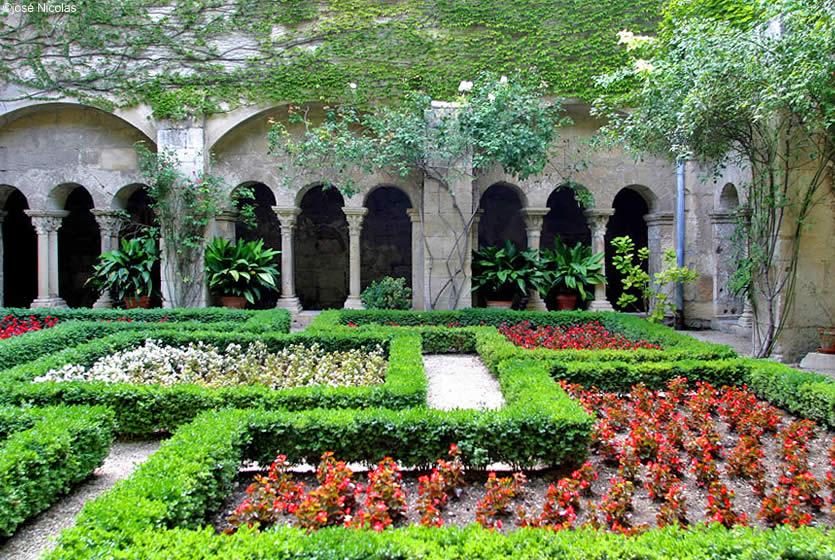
(266, 227)
(18, 250)
(386, 238)
(501, 219)
(321, 249)
(630, 206)
(565, 219)
(728, 198)
(79, 245)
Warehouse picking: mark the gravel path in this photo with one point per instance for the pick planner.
(37, 536)
(742, 344)
(460, 381)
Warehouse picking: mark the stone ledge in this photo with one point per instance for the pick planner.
(819, 362)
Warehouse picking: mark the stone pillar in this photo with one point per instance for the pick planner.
(660, 237)
(474, 232)
(287, 218)
(110, 224)
(598, 220)
(724, 302)
(355, 216)
(533, 227)
(746, 320)
(46, 224)
(3, 215)
(417, 259)
(225, 224)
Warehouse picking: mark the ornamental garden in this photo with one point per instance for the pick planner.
(399, 289)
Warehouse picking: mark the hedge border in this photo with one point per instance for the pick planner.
(62, 447)
(146, 409)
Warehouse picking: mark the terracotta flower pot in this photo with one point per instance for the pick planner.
(499, 304)
(827, 337)
(233, 302)
(143, 302)
(566, 302)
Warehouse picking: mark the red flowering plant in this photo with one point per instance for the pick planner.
(562, 501)
(616, 505)
(12, 326)
(746, 461)
(720, 506)
(434, 489)
(629, 465)
(495, 504)
(585, 477)
(268, 497)
(702, 403)
(793, 439)
(674, 509)
(334, 501)
(830, 476)
(586, 336)
(385, 499)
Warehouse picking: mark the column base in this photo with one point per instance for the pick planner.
(291, 304)
(536, 303)
(49, 302)
(353, 303)
(746, 320)
(104, 302)
(600, 305)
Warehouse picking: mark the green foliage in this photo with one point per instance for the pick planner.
(574, 269)
(501, 272)
(127, 271)
(387, 293)
(62, 446)
(635, 278)
(387, 48)
(243, 268)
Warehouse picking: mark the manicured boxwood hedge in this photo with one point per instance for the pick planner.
(159, 511)
(145, 409)
(83, 325)
(174, 315)
(46, 454)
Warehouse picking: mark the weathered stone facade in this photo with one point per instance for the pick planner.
(49, 150)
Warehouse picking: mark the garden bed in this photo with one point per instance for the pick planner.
(12, 325)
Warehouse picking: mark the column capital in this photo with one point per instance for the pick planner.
(355, 216)
(723, 217)
(287, 215)
(46, 221)
(109, 221)
(414, 215)
(659, 219)
(534, 217)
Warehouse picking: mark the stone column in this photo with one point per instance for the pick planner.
(225, 223)
(355, 216)
(3, 215)
(660, 237)
(474, 232)
(287, 216)
(598, 220)
(533, 227)
(724, 302)
(417, 259)
(46, 224)
(110, 224)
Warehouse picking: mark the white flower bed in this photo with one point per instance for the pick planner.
(204, 364)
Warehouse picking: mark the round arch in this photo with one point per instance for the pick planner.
(386, 237)
(264, 226)
(502, 218)
(79, 245)
(19, 250)
(320, 248)
(630, 206)
(728, 198)
(565, 219)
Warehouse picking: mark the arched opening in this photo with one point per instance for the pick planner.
(728, 198)
(386, 239)
(502, 218)
(20, 253)
(265, 226)
(321, 250)
(79, 246)
(141, 221)
(565, 220)
(628, 219)
(725, 302)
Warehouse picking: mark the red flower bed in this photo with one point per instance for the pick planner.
(12, 326)
(586, 336)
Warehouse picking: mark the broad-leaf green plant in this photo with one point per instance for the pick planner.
(501, 272)
(242, 268)
(573, 269)
(127, 272)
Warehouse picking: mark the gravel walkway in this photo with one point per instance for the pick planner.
(460, 381)
(742, 344)
(36, 537)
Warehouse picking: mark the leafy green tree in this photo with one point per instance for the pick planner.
(755, 91)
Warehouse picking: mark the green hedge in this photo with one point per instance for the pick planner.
(473, 542)
(155, 315)
(145, 409)
(807, 394)
(96, 323)
(61, 447)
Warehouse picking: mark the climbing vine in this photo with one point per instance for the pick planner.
(190, 57)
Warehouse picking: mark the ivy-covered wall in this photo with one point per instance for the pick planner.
(203, 56)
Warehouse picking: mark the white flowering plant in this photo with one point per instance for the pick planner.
(206, 365)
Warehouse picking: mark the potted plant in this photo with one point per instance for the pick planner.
(573, 270)
(501, 274)
(126, 272)
(238, 271)
(827, 338)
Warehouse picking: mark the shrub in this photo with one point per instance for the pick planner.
(387, 293)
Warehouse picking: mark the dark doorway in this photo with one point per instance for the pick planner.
(628, 219)
(564, 220)
(502, 218)
(386, 238)
(79, 246)
(142, 221)
(266, 227)
(20, 253)
(321, 250)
